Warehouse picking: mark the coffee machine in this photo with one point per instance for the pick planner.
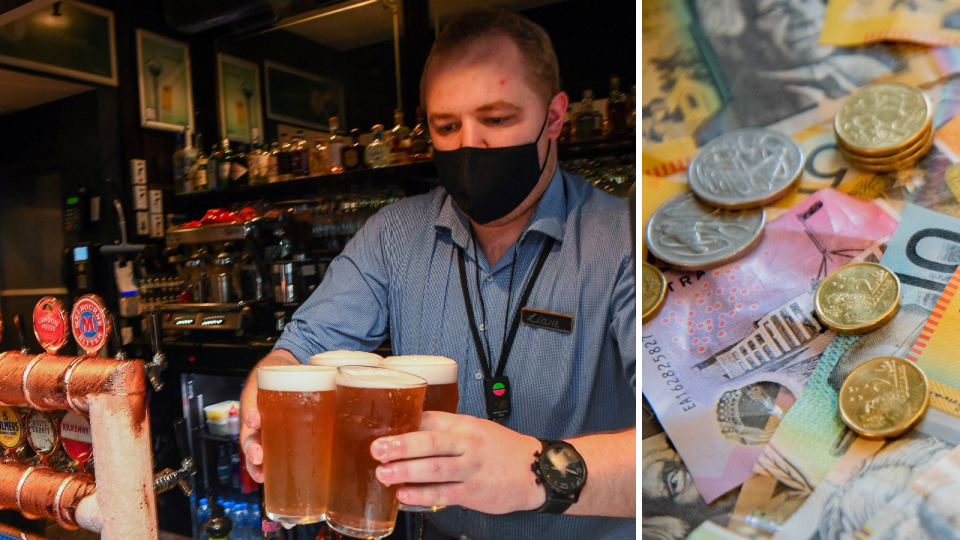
(223, 275)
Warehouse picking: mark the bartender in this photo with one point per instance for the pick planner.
(448, 273)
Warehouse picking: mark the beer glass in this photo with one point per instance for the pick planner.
(371, 403)
(442, 391)
(296, 405)
(346, 358)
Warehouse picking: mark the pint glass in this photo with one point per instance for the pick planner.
(296, 405)
(442, 391)
(371, 403)
(346, 358)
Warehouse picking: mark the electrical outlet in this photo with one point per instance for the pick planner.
(138, 172)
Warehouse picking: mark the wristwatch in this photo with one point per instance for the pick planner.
(563, 473)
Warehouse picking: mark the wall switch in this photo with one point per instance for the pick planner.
(138, 172)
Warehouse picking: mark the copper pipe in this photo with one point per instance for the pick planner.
(41, 492)
(47, 382)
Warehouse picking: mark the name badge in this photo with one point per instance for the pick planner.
(545, 319)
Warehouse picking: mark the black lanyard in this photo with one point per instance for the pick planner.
(496, 385)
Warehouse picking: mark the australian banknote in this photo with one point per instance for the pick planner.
(672, 506)
(710, 66)
(733, 347)
(855, 22)
(873, 472)
(811, 438)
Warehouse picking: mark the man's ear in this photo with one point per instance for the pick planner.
(555, 115)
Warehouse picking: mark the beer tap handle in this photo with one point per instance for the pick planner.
(23, 340)
(117, 339)
(166, 479)
(159, 362)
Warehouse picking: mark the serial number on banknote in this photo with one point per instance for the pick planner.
(652, 349)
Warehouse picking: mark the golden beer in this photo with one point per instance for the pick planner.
(443, 393)
(296, 405)
(346, 358)
(371, 403)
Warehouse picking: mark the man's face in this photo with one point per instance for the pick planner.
(480, 96)
(791, 28)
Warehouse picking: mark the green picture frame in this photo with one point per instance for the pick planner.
(301, 98)
(70, 39)
(239, 99)
(166, 91)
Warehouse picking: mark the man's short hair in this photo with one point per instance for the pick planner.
(543, 70)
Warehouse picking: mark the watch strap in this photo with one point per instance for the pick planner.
(555, 503)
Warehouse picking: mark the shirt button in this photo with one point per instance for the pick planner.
(489, 278)
(478, 375)
(483, 327)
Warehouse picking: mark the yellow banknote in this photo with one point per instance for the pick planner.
(856, 22)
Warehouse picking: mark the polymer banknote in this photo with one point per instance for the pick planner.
(732, 348)
(855, 22)
(811, 439)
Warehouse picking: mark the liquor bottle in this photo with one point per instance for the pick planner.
(285, 159)
(334, 147)
(377, 153)
(273, 163)
(218, 527)
(419, 139)
(179, 175)
(588, 124)
(240, 167)
(190, 156)
(257, 162)
(318, 157)
(200, 178)
(212, 180)
(224, 162)
(352, 154)
(617, 109)
(301, 156)
(399, 140)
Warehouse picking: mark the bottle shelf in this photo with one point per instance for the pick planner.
(599, 148)
(414, 176)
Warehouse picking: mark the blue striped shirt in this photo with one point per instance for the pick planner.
(400, 273)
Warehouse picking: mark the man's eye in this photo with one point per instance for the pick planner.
(448, 128)
(496, 121)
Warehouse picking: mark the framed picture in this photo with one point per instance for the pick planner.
(69, 39)
(238, 96)
(301, 98)
(166, 94)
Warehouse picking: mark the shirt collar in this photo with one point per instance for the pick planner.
(549, 218)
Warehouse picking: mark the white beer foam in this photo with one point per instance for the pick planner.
(376, 377)
(345, 358)
(297, 378)
(435, 369)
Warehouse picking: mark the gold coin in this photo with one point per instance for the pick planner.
(892, 164)
(917, 145)
(882, 118)
(654, 291)
(883, 397)
(857, 298)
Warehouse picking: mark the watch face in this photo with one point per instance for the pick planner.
(563, 468)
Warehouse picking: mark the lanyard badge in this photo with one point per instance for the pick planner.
(497, 392)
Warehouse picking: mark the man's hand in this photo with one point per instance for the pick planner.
(474, 463)
(250, 427)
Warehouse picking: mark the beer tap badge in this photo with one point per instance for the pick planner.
(91, 323)
(75, 437)
(50, 323)
(11, 430)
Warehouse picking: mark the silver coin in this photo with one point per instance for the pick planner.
(745, 168)
(689, 235)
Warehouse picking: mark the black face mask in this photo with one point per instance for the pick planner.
(489, 183)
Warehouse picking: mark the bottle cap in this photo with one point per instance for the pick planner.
(218, 526)
(234, 411)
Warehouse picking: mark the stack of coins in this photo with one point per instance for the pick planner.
(884, 127)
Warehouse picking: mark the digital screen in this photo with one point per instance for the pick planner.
(73, 200)
(80, 253)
